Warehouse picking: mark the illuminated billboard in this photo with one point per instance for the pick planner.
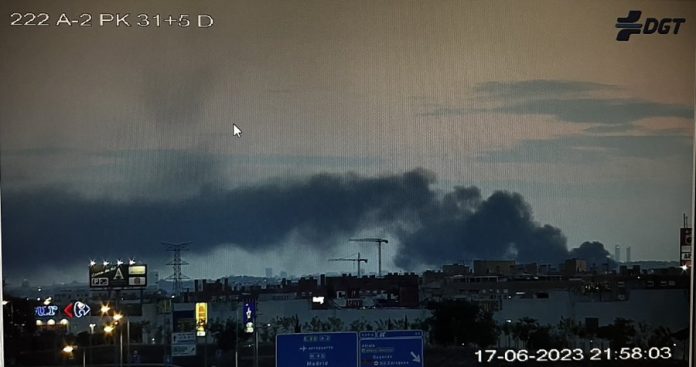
(201, 318)
(119, 275)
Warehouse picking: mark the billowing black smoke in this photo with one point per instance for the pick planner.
(594, 253)
(464, 226)
(56, 227)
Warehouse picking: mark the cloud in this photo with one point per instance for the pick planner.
(538, 87)
(596, 110)
(153, 173)
(178, 98)
(567, 101)
(584, 148)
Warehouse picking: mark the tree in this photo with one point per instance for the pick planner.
(226, 336)
(335, 323)
(544, 337)
(383, 324)
(619, 334)
(661, 336)
(315, 324)
(456, 322)
(359, 325)
(522, 329)
(569, 331)
(420, 324)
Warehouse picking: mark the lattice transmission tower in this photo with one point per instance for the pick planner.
(177, 277)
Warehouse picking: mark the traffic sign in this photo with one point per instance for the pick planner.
(183, 344)
(391, 348)
(184, 338)
(183, 350)
(317, 350)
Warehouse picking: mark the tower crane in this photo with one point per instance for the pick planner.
(358, 260)
(379, 242)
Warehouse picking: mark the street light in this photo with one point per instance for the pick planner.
(108, 329)
(508, 326)
(117, 317)
(65, 323)
(68, 350)
(105, 309)
(91, 332)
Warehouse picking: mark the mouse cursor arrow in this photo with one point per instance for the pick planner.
(236, 131)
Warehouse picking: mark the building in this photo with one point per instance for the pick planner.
(573, 267)
(617, 253)
(455, 269)
(494, 267)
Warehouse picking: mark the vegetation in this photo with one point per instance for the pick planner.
(461, 322)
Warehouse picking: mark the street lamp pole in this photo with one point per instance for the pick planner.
(256, 347)
(117, 317)
(128, 340)
(91, 332)
(120, 349)
(109, 329)
(236, 335)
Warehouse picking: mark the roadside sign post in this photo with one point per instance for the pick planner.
(339, 349)
(349, 349)
(391, 348)
(184, 344)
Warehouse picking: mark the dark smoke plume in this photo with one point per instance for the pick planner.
(464, 226)
(594, 253)
(56, 227)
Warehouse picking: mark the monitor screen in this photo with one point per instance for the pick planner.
(347, 184)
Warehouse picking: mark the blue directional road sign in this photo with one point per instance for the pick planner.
(393, 348)
(317, 350)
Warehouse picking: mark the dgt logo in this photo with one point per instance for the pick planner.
(629, 25)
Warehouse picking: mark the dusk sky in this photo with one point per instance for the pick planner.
(101, 125)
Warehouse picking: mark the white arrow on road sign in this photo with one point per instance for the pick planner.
(416, 357)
